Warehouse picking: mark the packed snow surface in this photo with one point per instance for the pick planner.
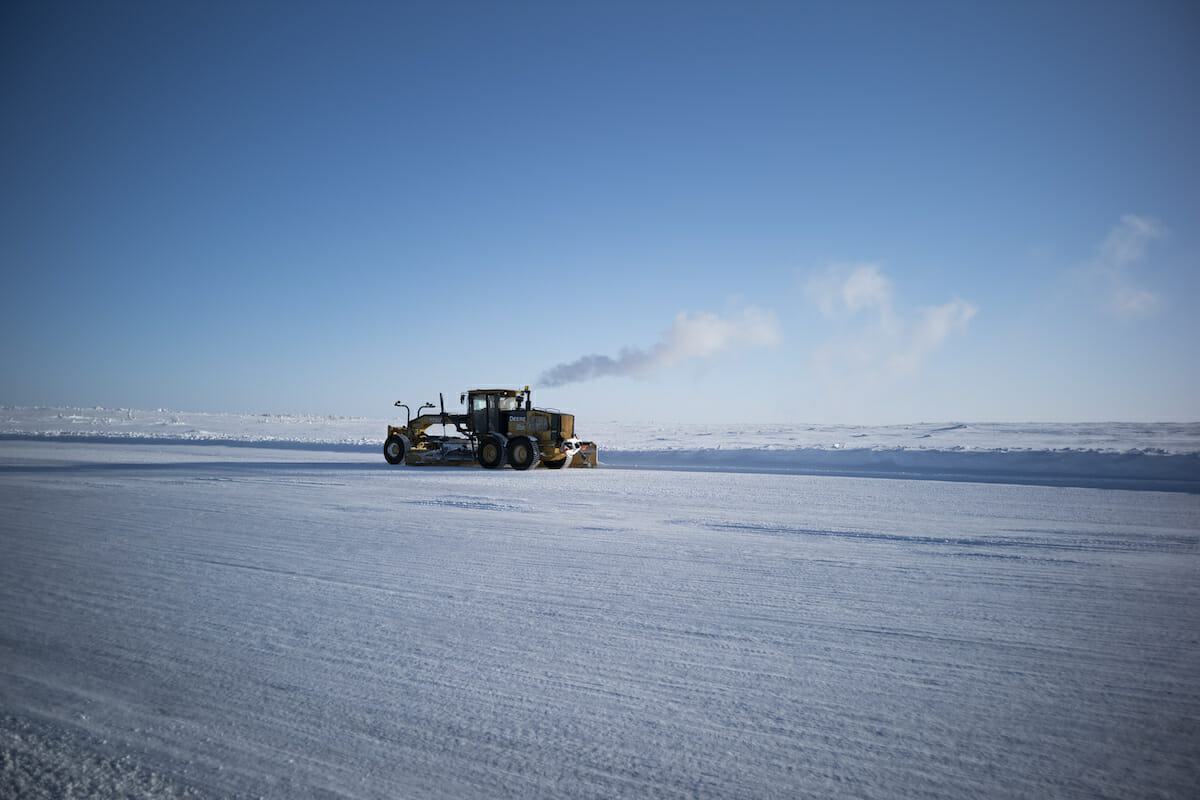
(225, 606)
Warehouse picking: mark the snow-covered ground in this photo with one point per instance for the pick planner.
(198, 605)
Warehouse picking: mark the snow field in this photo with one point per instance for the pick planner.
(203, 620)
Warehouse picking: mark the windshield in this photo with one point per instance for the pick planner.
(480, 401)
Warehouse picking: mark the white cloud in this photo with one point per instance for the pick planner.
(1112, 273)
(1130, 301)
(1126, 243)
(849, 288)
(866, 288)
(930, 331)
(701, 335)
(879, 344)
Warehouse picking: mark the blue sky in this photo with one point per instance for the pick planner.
(766, 212)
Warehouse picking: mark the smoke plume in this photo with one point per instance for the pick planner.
(700, 335)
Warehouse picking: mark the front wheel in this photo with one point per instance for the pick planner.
(393, 449)
(491, 452)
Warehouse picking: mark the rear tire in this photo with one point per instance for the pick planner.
(393, 449)
(523, 453)
(491, 452)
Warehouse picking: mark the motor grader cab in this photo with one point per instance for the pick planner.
(500, 427)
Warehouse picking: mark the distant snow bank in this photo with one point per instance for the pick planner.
(1112, 454)
(1129, 470)
(188, 426)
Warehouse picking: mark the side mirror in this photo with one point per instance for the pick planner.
(462, 399)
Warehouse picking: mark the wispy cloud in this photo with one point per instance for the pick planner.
(699, 335)
(875, 342)
(929, 332)
(1113, 271)
(849, 288)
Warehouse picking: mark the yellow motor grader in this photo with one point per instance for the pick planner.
(500, 427)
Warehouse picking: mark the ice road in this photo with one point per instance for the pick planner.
(204, 620)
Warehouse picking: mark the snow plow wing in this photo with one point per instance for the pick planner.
(585, 456)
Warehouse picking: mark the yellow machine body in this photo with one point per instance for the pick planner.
(500, 427)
